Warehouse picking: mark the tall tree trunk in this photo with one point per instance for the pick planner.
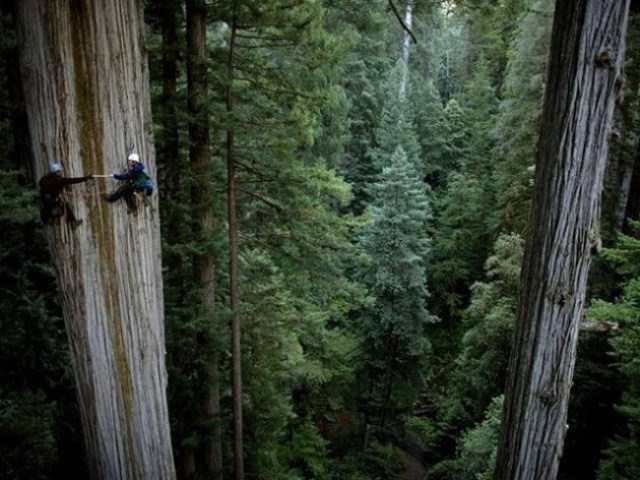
(236, 350)
(406, 48)
(202, 195)
(87, 97)
(169, 150)
(587, 50)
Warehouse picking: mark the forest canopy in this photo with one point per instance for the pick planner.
(324, 280)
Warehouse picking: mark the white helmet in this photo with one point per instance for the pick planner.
(133, 157)
(55, 167)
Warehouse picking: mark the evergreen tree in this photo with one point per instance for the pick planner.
(462, 238)
(456, 55)
(40, 428)
(459, 247)
(396, 127)
(622, 457)
(570, 164)
(367, 64)
(519, 118)
(477, 448)
(492, 26)
(481, 367)
(394, 328)
(476, 374)
(481, 106)
(428, 114)
(291, 286)
(455, 137)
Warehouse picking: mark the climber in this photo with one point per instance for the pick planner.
(51, 185)
(137, 181)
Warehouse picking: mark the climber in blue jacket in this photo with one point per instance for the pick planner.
(136, 180)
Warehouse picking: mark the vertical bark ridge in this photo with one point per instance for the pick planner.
(586, 58)
(87, 99)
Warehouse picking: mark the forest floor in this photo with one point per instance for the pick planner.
(414, 470)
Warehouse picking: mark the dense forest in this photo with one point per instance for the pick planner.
(360, 213)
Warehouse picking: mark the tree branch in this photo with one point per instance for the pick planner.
(399, 17)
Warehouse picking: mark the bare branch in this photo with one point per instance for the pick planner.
(600, 327)
(265, 200)
(399, 17)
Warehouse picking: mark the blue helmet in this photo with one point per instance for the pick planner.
(55, 167)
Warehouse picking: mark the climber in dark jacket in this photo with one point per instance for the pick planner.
(51, 186)
(136, 180)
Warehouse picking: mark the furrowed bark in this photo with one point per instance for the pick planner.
(85, 75)
(587, 51)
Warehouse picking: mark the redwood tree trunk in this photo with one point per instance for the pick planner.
(234, 300)
(587, 50)
(87, 97)
(169, 150)
(202, 200)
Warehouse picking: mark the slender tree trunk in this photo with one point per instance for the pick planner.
(171, 163)
(587, 50)
(236, 350)
(169, 150)
(87, 96)
(202, 195)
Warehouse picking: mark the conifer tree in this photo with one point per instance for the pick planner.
(428, 115)
(463, 235)
(289, 278)
(481, 366)
(570, 163)
(621, 459)
(366, 66)
(396, 127)
(455, 137)
(395, 344)
(519, 118)
(87, 97)
(460, 242)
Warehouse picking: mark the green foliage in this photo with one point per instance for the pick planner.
(288, 125)
(36, 435)
(383, 461)
(622, 457)
(477, 449)
(428, 114)
(592, 416)
(480, 368)
(27, 436)
(309, 453)
(448, 470)
(378, 119)
(395, 344)
(455, 56)
(479, 446)
(481, 106)
(460, 243)
(465, 206)
(518, 122)
(396, 126)
(455, 134)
